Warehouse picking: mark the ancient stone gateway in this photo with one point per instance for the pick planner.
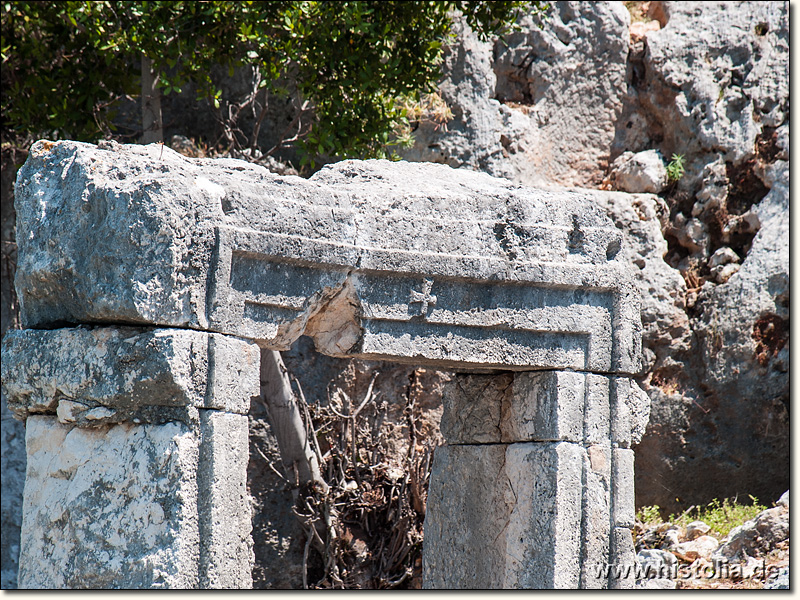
(149, 284)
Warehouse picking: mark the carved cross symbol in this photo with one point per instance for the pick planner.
(425, 298)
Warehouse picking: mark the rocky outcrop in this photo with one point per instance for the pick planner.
(539, 107)
(756, 537)
(713, 89)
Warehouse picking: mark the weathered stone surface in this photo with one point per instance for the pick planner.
(110, 508)
(94, 376)
(695, 529)
(533, 406)
(597, 410)
(643, 172)
(560, 85)
(543, 406)
(665, 326)
(519, 504)
(657, 561)
(12, 432)
(226, 547)
(716, 75)
(596, 524)
(780, 581)
(623, 509)
(701, 547)
(622, 555)
(756, 537)
(136, 506)
(755, 300)
(12, 459)
(358, 258)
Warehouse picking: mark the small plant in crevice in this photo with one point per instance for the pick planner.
(675, 168)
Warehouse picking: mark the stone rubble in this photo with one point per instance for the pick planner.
(643, 172)
(758, 536)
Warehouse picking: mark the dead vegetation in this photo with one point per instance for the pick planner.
(362, 515)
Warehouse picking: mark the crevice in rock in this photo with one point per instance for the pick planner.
(770, 333)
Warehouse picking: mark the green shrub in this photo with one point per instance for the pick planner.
(675, 169)
(357, 65)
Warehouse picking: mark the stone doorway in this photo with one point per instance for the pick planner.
(171, 269)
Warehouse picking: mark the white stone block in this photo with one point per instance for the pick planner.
(110, 508)
(597, 411)
(226, 546)
(504, 516)
(596, 525)
(622, 488)
(137, 506)
(623, 557)
(533, 406)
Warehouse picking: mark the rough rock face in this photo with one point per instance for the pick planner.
(713, 87)
(717, 75)
(757, 536)
(541, 109)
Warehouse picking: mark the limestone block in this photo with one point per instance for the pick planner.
(597, 411)
(109, 508)
(520, 407)
(226, 555)
(504, 516)
(137, 506)
(92, 376)
(547, 406)
(622, 497)
(372, 259)
(623, 556)
(620, 389)
(630, 411)
(596, 525)
(473, 408)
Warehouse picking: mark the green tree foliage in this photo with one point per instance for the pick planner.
(356, 64)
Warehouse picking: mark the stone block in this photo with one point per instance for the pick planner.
(473, 408)
(597, 410)
(622, 498)
(518, 407)
(623, 560)
(137, 506)
(226, 546)
(596, 525)
(362, 257)
(504, 516)
(620, 390)
(110, 508)
(94, 376)
(546, 406)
